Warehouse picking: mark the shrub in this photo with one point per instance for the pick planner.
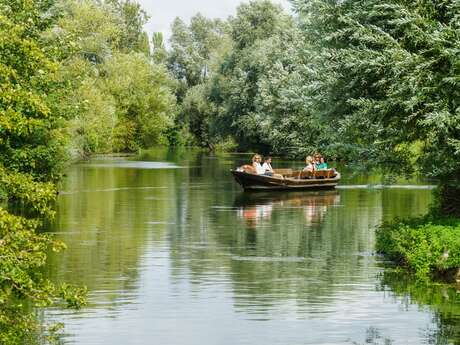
(425, 245)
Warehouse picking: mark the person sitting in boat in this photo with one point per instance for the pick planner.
(310, 166)
(256, 159)
(267, 166)
(322, 165)
(317, 160)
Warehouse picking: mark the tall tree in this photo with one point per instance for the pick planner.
(192, 47)
(134, 18)
(143, 98)
(159, 51)
(31, 155)
(388, 75)
(256, 87)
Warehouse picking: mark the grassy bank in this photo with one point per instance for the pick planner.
(429, 246)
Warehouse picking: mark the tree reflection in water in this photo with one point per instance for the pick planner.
(442, 299)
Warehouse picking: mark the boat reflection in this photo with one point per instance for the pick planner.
(257, 208)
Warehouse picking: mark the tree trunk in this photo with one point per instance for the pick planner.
(449, 200)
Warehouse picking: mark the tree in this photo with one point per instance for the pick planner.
(390, 76)
(31, 155)
(133, 37)
(89, 38)
(192, 47)
(159, 50)
(195, 55)
(198, 112)
(256, 89)
(143, 98)
(87, 29)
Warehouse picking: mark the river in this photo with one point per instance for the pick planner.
(174, 253)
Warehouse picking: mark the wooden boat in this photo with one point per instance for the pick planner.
(291, 180)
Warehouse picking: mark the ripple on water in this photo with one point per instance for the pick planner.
(133, 165)
(384, 186)
(269, 258)
(116, 189)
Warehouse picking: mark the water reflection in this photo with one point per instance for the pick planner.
(259, 206)
(443, 299)
(168, 249)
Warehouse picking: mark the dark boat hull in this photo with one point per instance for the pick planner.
(263, 182)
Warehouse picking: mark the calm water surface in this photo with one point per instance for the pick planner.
(173, 252)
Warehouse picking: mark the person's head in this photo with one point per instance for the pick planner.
(268, 159)
(256, 158)
(322, 159)
(317, 157)
(309, 159)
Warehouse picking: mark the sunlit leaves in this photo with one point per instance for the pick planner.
(394, 66)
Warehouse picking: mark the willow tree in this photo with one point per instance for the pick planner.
(388, 76)
(259, 90)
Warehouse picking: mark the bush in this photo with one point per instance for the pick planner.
(425, 245)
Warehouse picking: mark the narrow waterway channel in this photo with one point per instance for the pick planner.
(174, 253)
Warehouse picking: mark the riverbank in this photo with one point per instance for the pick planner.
(429, 246)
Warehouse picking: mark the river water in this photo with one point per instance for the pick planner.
(174, 253)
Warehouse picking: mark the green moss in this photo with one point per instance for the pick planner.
(427, 246)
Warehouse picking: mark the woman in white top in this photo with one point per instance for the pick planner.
(310, 165)
(256, 164)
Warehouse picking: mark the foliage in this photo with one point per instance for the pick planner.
(192, 46)
(23, 252)
(387, 81)
(194, 57)
(29, 135)
(159, 54)
(113, 95)
(31, 154)
(259, 92)
(426, 245)
(132, 38)
(86, 29)
(143, 100)
(198, 111)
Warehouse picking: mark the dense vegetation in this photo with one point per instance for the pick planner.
(31, 142)
(429, 246)
(374, 82)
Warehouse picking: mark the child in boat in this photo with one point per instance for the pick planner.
(256, 159)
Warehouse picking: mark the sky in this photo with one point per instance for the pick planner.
(163, 12)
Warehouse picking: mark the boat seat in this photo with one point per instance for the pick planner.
(319, 174)
(328, 173)
(284, 172)
(305, 175)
